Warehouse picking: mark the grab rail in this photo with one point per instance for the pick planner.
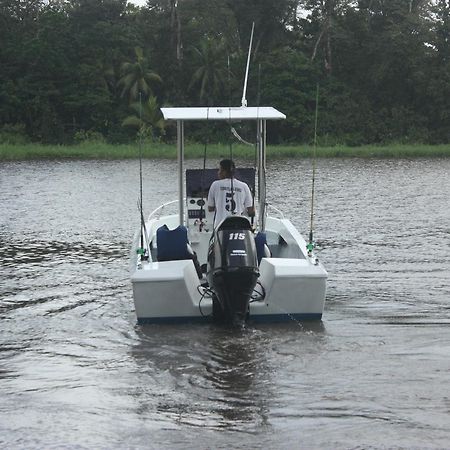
(275, 209)
(160, 208)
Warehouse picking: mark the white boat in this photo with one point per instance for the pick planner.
(168, 286)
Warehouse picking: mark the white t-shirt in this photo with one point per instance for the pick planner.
(228, 201)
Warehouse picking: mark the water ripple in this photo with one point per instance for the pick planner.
(77, 372)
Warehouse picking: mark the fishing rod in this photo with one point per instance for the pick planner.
(310, 246)
(230, 142)
(141, 250)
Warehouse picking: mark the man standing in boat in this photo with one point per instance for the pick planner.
(229, 196)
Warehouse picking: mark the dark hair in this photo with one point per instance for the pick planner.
(228, 166)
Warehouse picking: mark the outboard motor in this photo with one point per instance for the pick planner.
(232, 269)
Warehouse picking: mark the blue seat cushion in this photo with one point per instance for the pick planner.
(261, 246)
(172, 244)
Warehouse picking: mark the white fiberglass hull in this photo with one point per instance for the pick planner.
(294, 285)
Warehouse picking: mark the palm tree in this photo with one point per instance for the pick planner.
(152, 123)
(210, 75)
(137, 77)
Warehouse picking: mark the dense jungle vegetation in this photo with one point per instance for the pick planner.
(74, 70)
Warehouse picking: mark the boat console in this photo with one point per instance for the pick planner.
(198, 182)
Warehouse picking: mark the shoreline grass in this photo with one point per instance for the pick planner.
(159, 151)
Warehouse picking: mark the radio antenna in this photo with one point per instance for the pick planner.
(244, 100)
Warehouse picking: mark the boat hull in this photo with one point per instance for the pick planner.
(168, 292)
(293, 288)
(293, 291)
(294, 285)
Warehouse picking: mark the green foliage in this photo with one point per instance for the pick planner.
(147, 120)
(90, 136)
(13, 134)
(137, 77)
(209, 77)
(288, 83)
(99, 150)
(71, 66)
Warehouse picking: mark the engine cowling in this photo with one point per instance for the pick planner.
(232, 269)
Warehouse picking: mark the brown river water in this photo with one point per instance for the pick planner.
(77, 372)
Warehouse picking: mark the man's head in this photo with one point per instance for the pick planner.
(226, 169)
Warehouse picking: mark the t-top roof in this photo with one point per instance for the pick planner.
(223, 113)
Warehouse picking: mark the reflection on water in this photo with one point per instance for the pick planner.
(236, 371)
(214, 378)
(77, 372)
(211, 377)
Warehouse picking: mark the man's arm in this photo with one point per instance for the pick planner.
(249, 201)
(211, 201)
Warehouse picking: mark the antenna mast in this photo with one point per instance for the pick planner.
(244, 100)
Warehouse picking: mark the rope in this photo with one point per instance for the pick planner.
(239, 138)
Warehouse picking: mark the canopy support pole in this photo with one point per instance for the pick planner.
(180, 153)
(262, 130)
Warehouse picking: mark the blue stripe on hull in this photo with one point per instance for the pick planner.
(266, 318)
(269, 318)
(173, 320)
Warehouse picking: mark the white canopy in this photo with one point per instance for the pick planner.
(223, 113)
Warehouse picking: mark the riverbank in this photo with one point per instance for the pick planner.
(108, 152)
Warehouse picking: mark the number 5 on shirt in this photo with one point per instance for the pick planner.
(230, 204)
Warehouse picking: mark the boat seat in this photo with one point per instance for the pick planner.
(173, 245)
(262, 249)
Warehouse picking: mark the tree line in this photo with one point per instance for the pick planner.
(72, 70)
